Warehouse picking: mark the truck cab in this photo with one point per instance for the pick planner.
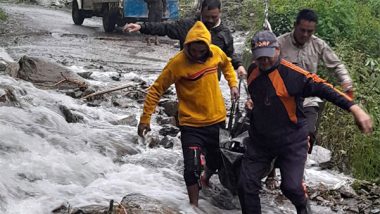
(118, 12)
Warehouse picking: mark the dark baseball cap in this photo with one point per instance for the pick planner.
(264, 44)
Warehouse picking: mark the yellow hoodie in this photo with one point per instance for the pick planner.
(200, 99)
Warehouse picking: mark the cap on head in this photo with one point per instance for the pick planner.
(264, 44)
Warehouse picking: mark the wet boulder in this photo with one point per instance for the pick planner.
(86, 74)
(3, 66)
(46, 74)
(347, 191)
(141, 204)
(129, 120)
(90, 209)
(166, 120)
(12, 69)
(169, 130)
(320, 155)
(8, 97)
(152, 141)
(167, 142)
(69, 116)
(170, 107)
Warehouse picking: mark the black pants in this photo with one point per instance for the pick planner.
(205, 138)
(311, 114)
(291, 158)
(155, 10)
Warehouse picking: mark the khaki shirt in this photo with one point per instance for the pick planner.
(309, 56)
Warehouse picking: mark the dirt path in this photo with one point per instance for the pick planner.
(45, 32)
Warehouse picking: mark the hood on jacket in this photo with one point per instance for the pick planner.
(198, 33)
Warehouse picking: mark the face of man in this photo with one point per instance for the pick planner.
(265, 63)
(303, 31)
(198, 50)
(210, 17)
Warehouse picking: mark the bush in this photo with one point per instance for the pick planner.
(3, 16)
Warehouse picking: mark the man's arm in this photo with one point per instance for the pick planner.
(156, 90)
(331, 61)
(229, 74)
(315, 86)
(230, 52)
(174, 30)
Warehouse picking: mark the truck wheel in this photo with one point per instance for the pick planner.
(77, 16)
(109, 20)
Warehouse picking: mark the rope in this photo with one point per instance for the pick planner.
(233, 109)
(266, 24)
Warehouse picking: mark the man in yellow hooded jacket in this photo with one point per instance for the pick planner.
(201, 109)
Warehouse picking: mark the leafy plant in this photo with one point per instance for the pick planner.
(3, 16)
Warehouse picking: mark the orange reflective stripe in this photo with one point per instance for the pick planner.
(315, 77)
(202, 72)
(282, 93)
(254, 74)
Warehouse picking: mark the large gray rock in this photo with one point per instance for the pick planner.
(46, 74)
(320, 155)
(141, 204)
(69, 116)
(170, 107)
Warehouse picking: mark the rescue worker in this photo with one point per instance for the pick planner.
(201, 110)
(278, 126)
(302, 48)
(210, 16)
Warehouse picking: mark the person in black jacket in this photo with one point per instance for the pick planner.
(210, 16)
(278, 124)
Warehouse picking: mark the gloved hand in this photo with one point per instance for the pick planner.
(142, 129)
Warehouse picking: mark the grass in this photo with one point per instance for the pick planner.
(3, 15)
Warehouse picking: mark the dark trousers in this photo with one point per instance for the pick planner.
(205, 138)
(312, 115)
(291, 160)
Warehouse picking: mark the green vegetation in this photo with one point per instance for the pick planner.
(3, 16)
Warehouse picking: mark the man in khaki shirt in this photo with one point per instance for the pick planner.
(307, 51)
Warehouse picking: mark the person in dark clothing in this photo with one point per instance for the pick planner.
(303, 48)
(278, 124)
(156, 11)
(210, 16)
